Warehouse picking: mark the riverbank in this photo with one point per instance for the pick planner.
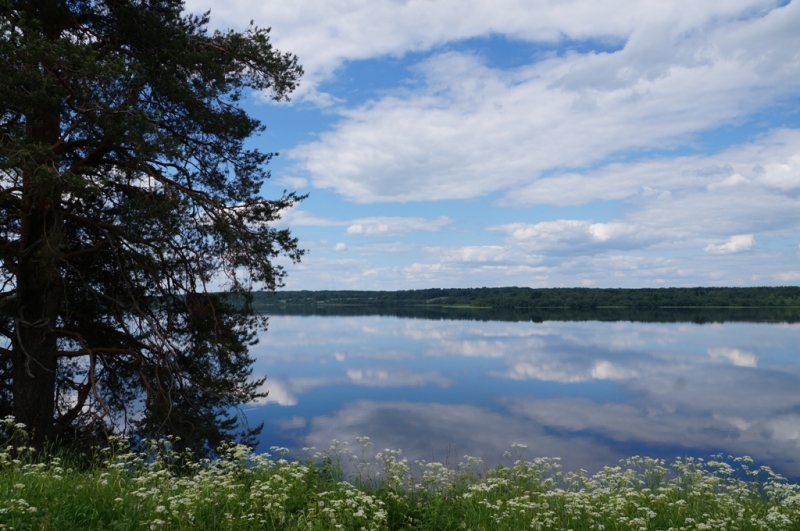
(157, 489)
(545, 298)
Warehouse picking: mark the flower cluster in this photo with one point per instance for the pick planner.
(158, 489)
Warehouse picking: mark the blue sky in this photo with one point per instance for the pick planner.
(467, 143)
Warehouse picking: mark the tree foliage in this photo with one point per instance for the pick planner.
(126, 190)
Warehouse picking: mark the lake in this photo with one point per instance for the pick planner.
(590, 392)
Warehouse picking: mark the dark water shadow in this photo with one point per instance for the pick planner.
(538, 315)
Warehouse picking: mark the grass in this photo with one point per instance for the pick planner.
(157, 489)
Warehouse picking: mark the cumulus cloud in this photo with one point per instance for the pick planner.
(685, 203)
(395, 378)
(475, 129)
(667, 396)
(736, 244)
(545, 371)
(738, 357)
(569, 233)
(469, 253)
(327, 33)
(471, 348)
(565, 367)
(764, 168)
(695, 414)
(662, 259)
(432, 431)
(789, 276)
(566, 127)
(378, 226)
(285, 392)
(294, 182)
(292, 423)
(783, 175)
(301, 218)
(695, 426)
(370, 226)
(605, 83)
(280, 392)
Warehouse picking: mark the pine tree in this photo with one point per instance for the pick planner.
(127, 196)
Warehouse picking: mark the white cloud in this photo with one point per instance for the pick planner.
(301, 218)
(370, 226)
(340, 247)
(280, 392)
(395, 378)
(576, 235)
(294, 182)
(370, 377)
(652, 421)
(740, 358)
(474, 129)
(789, 276)
(543, 364)
(654, 258)
(762, 168)
(326, 33)
(548, 372)
(681, 398)
(547, 231)
(736, 244)
(606, 370)
(733, 180)
(469, 253)
(379, 226)
(292, 423)
(677, 203)
(565, 128)
(783, 175)
(430, 431)
(470, 348)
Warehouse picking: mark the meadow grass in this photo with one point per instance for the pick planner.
(158, 489)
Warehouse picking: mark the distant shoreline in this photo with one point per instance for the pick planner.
(784, 297)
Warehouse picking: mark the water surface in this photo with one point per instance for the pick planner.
(589, 392)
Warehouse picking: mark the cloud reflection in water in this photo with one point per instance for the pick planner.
(588, 392)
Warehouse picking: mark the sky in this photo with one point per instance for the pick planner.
(541, 143)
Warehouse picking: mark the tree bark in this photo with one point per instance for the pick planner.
(38, 283)
(39, 296)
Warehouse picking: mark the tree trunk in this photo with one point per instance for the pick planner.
(39, 293)
(34, 373)
(39, 296)
(39, 284)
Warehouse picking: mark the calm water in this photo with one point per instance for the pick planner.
(589, 392)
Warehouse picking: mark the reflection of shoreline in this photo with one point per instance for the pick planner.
(658, 315)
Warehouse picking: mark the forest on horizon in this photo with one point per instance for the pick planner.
(520, 298)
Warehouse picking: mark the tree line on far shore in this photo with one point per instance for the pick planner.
(574, 298)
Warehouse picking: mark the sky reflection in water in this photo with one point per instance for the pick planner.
(589, 392)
